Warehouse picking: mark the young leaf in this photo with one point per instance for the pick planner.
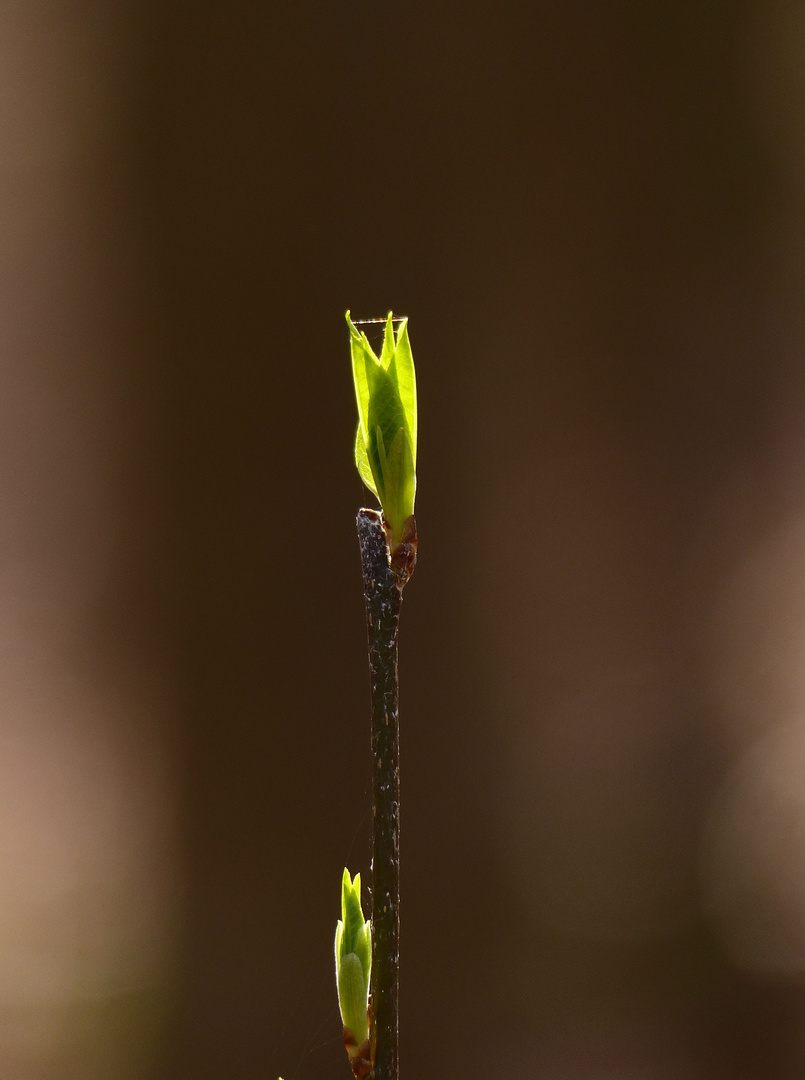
(362, 461)
(385, 443)
(353, 966)
(359, 347)
(406, 383)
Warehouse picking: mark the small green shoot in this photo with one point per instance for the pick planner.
(385, 442)
(353, 965)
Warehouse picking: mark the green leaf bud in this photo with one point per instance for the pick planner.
(353, 965)
(385, 442)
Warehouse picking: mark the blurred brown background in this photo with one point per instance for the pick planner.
(593, 214)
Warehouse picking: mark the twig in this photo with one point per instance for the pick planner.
(383, 583)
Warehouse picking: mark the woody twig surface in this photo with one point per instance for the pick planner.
(383, 595)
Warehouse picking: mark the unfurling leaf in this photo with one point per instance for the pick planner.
(385, 442)
(353, 966)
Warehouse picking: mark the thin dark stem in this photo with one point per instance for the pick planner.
(383, 595)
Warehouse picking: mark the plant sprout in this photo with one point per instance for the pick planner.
(385, 454)
(385, 440)
(353, 965)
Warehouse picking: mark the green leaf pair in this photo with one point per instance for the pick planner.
(385, 443)
(353, 965)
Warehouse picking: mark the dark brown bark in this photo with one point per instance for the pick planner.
(383, 595)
